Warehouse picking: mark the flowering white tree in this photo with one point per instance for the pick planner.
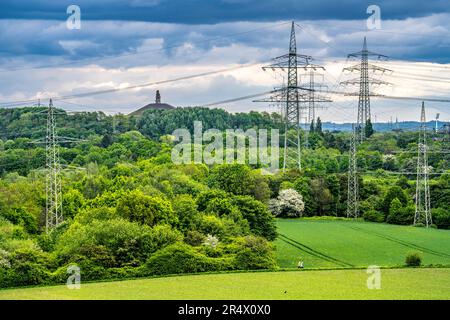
(211, 241)
(289, 203)
(4, 259)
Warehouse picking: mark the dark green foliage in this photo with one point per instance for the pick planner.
(27, 267)
(373, 216)
(413, 259)
(155, 123)
(394, 192)
(399, 214)
(261, 221)
(194, 238)
(255, 253)
(318, 128)
(441, 218)
(369, 129)
(113, 242)
(181, 258)
(21, 217)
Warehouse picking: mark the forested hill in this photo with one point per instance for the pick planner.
(384, 126)
(31, 122)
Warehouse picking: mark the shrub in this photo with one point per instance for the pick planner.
(413, 259)
(205, 197)
(185, 209)
(261, 221)
(135, 206)
(182, 258)
(211, 224)
(234, 178)
(211, 241)
(441, 217)
(221, 206)
(254, 253)
(27, 267)
(89, 271)
(86, 216)
(73, 200)
(194, 238)
(21, 217)
(129, 243)
(394, 192)
(373, 216)
(400, 215)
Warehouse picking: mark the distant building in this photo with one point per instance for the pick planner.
(151, 106)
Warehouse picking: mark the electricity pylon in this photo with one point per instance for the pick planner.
(352, 193)
(53, 207)
(423, 207)
(290, 95)
(364, 82)
(313, 73)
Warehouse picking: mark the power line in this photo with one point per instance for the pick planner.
(98, 92)
(71, 63)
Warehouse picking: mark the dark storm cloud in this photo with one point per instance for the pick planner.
(215, 11)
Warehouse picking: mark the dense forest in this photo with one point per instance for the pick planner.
(129, 211)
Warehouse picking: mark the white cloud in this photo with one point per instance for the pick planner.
(153, 51)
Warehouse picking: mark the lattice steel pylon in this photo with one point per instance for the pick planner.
(53, 207)
(423, 203)
(364, 82)
(312, 73)
(291, 95)
(352, 193)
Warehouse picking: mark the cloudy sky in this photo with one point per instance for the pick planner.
(127, 43)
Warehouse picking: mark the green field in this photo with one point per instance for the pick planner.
(330, 244)
(320, 244)
(326, 284)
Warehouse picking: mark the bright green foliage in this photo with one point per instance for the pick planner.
(186, 211)
(138, 207)
(25, 267)
(130, 201)
(73, 200)
(113, 243)
(236, 179)
(181, 258)
(255, 253)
